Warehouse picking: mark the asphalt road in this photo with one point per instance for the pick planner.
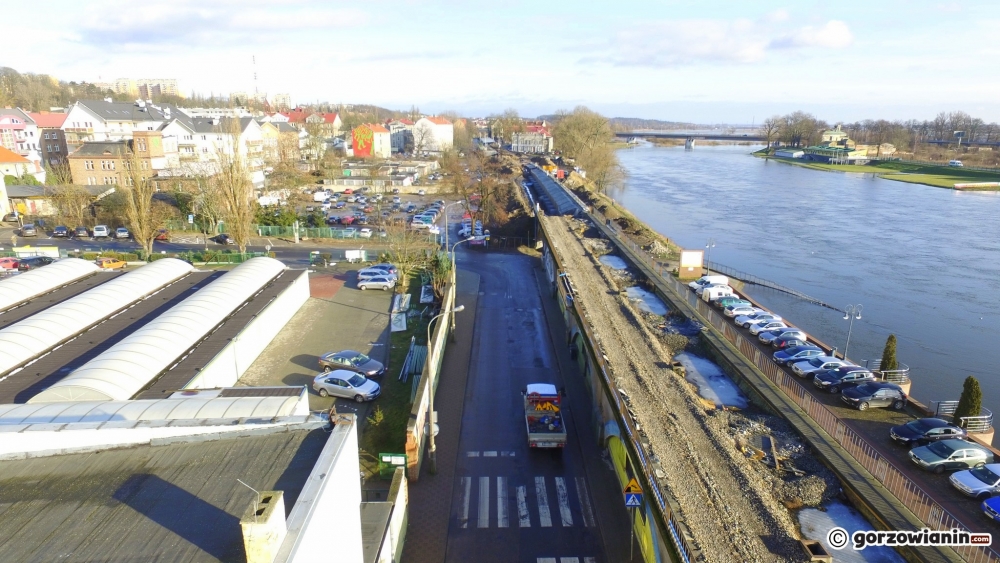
(511, 503)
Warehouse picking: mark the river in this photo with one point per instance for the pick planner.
(924, 262)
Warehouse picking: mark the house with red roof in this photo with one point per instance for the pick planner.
(534, 139)
(371, 140)
(13, 164)
(433, 134)
(51, 137)
(400, 135)
(18, 132)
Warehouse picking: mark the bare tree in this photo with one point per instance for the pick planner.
(423, 138)
(137, 188)
(71, 202)
(769, 128)
(233, 186)
(407, 249)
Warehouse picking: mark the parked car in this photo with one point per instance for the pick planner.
(397, 199)
(732, 301)
(702, 289)
(949, 455)
(81, 232)
(796, 354)
(121, 232)
(30, 263)
(991, 508)
(339, 205)
(61, 231)
(348, 191)
(351, 199)
(162, 235)
(347, 385)
(421, 192)
(924, 431)
(980, 482)
(810, 367)
(956, 163)
(385, 283)
(740, 311)
(101, 231)
(368, 273)
(768, 336)
(223, 239)
(785, 342)
(351, 360)
(876, 394)
(365, 233)
(395, 190)
(8, 263)
(836, 379)
(385, 267)
(760, 326)
(746, 320)
(29, 230)
(708, 280)
(110, 263)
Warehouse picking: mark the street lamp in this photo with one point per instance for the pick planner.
(708, 255)
(432, 454)
(445, 211)
(851, 312)
(455, 246)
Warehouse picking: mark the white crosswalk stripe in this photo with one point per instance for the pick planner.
(484, 502)
(502, 502)
(523, 519)
(466, 489)
(565, 560)
(544, 517)
(585, 507)
(491, 453)
(562, 496)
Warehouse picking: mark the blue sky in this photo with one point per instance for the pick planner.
(708, 62)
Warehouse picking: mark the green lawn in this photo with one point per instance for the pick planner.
(927, 174)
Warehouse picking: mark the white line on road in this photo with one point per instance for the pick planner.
(569, 560)
(484, 502)
(523, 519)
(543, 503)
(466, 490)
(472, 454)
(502, 521)
(546, 560)
(588, 511)
(507, 454)
(563, 496)
(589, 560)
(489, 454)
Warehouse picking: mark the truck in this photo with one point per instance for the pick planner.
(543, 416)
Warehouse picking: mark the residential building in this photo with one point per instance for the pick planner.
(329, 123)
(371, 140)
(836, 147)
(281, 141)
(37, 201)
(51, 138)
(400, 135)
(13, 164)
(106, 120)
(238, 111)
(433, 134)
(282, 102)
(18, 132)
(535, 139)
(103, 163)
(199, 142)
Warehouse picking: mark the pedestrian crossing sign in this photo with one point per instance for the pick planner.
(633, 487)
(633, 500)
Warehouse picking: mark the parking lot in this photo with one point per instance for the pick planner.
(349, 319)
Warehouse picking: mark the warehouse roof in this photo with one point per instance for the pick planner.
(38, 333)
(23, 287)
(130, 365)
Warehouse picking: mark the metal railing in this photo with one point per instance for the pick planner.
(898, 376)
(981, 423)
(758, 281)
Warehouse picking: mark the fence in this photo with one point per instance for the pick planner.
(885, 470)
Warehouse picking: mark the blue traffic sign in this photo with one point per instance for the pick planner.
(633, 500)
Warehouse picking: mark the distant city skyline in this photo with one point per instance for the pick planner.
(679, 61)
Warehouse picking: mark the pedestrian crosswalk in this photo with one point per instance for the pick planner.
(545, 502)
(566, 560)
(489, 453)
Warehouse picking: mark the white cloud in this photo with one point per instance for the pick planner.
(834, 34)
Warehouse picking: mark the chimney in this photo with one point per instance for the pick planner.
(263, 527)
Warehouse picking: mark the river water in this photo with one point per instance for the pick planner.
(924, 262)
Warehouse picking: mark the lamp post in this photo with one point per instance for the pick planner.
(445, 211)
(432, 453)
(851, 312)
(708, 255)
(453, 247)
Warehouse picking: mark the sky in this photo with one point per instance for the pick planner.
(705, 62)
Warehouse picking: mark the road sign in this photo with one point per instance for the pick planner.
(633, 500)
(190, 218)
(633, 487)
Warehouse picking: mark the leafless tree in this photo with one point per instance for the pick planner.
(423, 138)
(233, 186)
(769, 128)
(136, 188)
(71, 202)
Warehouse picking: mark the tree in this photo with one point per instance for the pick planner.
(233, 187)
(586, 136)
(423, 138)
(769, 128)
(971, 402)
(71, 202)
(406, 250)
(889, 362)
(137, 188)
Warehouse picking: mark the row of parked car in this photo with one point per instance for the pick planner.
(61, 231)
(936, 445)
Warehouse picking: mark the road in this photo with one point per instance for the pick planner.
(511, 503)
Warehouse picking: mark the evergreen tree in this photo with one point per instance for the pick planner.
(971, 401)
(889, 362)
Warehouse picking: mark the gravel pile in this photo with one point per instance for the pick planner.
(724, 499)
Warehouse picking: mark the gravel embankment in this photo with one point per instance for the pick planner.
(730, 506)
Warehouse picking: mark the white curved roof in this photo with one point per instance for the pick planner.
(22, 287)
(26, 339)
(127, 367)
(145, 410)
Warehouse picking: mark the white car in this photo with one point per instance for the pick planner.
(397, 199)
(421, 192)
(761, 326)
(746, 320)
(121, 232)
(346, 384)
(741, 311)
(365, 233)
(811, 366)
(351, 199)
(701, 288)
(981, 482)
(101, 231)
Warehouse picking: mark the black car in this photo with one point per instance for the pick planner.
(835, 379)
(925, 430)
(60, 231)
(876, 394)
(224, 239)
(25, 264)
(81, 232)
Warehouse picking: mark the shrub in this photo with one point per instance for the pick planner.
(971, 402)
(889, 362)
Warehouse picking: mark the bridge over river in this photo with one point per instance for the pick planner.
(691, 137)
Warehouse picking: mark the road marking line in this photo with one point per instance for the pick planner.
(523, 519)
(563, 497)
(585, 507)
(489, 454)
(589, 560)
(569, 560)
(507, 454)
(544, 517)
(484, 502)
(472, 454)
(502, 521)
(546, 560)
(466, 489)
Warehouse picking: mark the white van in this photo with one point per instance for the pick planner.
(714, 292)
(957, 163)
(708, 280)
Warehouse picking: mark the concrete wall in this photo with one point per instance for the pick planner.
(391, 550)
(232, 361)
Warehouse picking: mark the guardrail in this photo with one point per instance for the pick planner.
(914, 497)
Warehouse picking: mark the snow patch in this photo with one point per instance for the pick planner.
(646, 301)
(613, 262)
(711, 382)
(815, 524)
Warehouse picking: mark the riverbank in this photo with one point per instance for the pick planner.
(913, 173)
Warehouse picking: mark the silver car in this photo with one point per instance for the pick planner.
(353, 361)
(346, 384)
(981, 482)
(369, 273)
(768, 336)
(384, 283)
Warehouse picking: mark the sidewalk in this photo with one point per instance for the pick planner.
(431, 496)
